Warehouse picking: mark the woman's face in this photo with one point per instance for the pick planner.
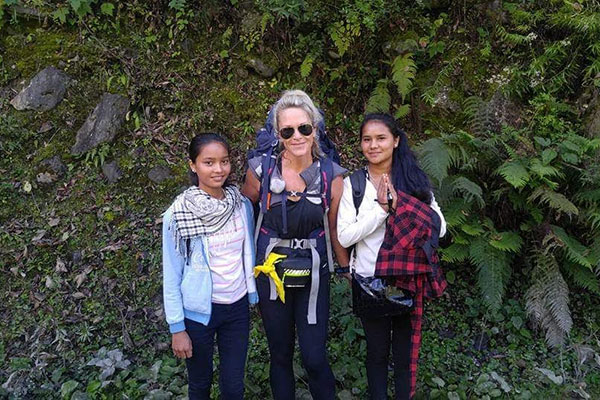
(212, 167)
(378, 143)
(297, 145)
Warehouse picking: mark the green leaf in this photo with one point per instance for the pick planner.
(107, 8)
(553, 199)
(380, 98)
(434, 158)
(402, 111)
(548, 155)
(306, 66)
(455, 253)
(404, 70)
(67, 388)
(469, 189)
(473, 229)
(60, 14)
(493, 271)
(542, 170)
(514, 172)
(507, 241)
(574, 250)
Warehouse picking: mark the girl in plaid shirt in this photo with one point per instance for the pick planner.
(391, 166)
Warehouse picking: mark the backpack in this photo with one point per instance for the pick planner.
(267, 149)
(266, 140)
(358, 181)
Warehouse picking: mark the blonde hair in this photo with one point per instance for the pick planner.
(299, 99)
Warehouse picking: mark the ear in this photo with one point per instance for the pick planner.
(396, 141)
(192, 167)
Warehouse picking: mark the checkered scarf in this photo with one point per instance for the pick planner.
(196, 213)
(408, 255)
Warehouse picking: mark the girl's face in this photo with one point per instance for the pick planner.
(377, 142)
(212, 167)
(298, 145)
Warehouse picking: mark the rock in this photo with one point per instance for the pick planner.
(44, 92)
(112, 172)
(502, 111)
(260, 68)
(241, 73)
(159, 174)
(443, 101)
(77, 257)
(45, 177)
(102, 124)
(590, 111)
(55, 164)
(46, 127)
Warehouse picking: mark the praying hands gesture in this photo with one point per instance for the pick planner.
(386, 194)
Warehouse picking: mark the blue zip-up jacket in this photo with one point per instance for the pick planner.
(187, 283)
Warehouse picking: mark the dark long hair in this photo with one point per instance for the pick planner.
(195, 148)
(407, 175)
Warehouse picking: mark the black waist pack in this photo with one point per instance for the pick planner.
(373, 297)
(294, 270)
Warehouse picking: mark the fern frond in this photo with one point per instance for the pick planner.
(573, 249)
(402, 111)
(514, 172)
(547, 299)
(469, 189)
(456, 212)
(542, 170)
(587, 23)
(442, 79)
(493, 271)
(380, 98)
(478, 116)
(583, 277)
(306, 66)
(404, 70)
(507, 241)
(513, 39)
(434, 158)
(588, 197)
(455, 253)
(554, 200)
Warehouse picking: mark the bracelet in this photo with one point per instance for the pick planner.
(342, 270)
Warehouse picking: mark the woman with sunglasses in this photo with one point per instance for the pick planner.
(295, 221)
(391, 166)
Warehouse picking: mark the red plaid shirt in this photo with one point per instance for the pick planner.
(408, 255)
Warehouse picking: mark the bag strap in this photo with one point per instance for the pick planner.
(326, 177)
(358, 181)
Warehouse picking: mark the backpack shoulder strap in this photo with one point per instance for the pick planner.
(326, 179)
(358, 181)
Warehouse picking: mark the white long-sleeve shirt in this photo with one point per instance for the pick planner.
(367, 229)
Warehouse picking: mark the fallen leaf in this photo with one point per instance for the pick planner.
(53, 221)
(60, 266)
(26, 187)
(78, 295)
(38, 236)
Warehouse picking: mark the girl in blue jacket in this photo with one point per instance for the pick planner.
(208, 261)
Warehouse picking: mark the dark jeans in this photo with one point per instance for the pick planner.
(281, 321)
(231, 324)
(380, 334)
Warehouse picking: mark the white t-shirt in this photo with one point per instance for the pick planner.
(367, 229)
(225, 249)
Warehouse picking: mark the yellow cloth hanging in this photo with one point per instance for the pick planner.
(268, 268)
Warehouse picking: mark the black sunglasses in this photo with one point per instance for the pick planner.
(288, 132)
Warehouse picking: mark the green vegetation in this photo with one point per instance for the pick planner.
(499, 99)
